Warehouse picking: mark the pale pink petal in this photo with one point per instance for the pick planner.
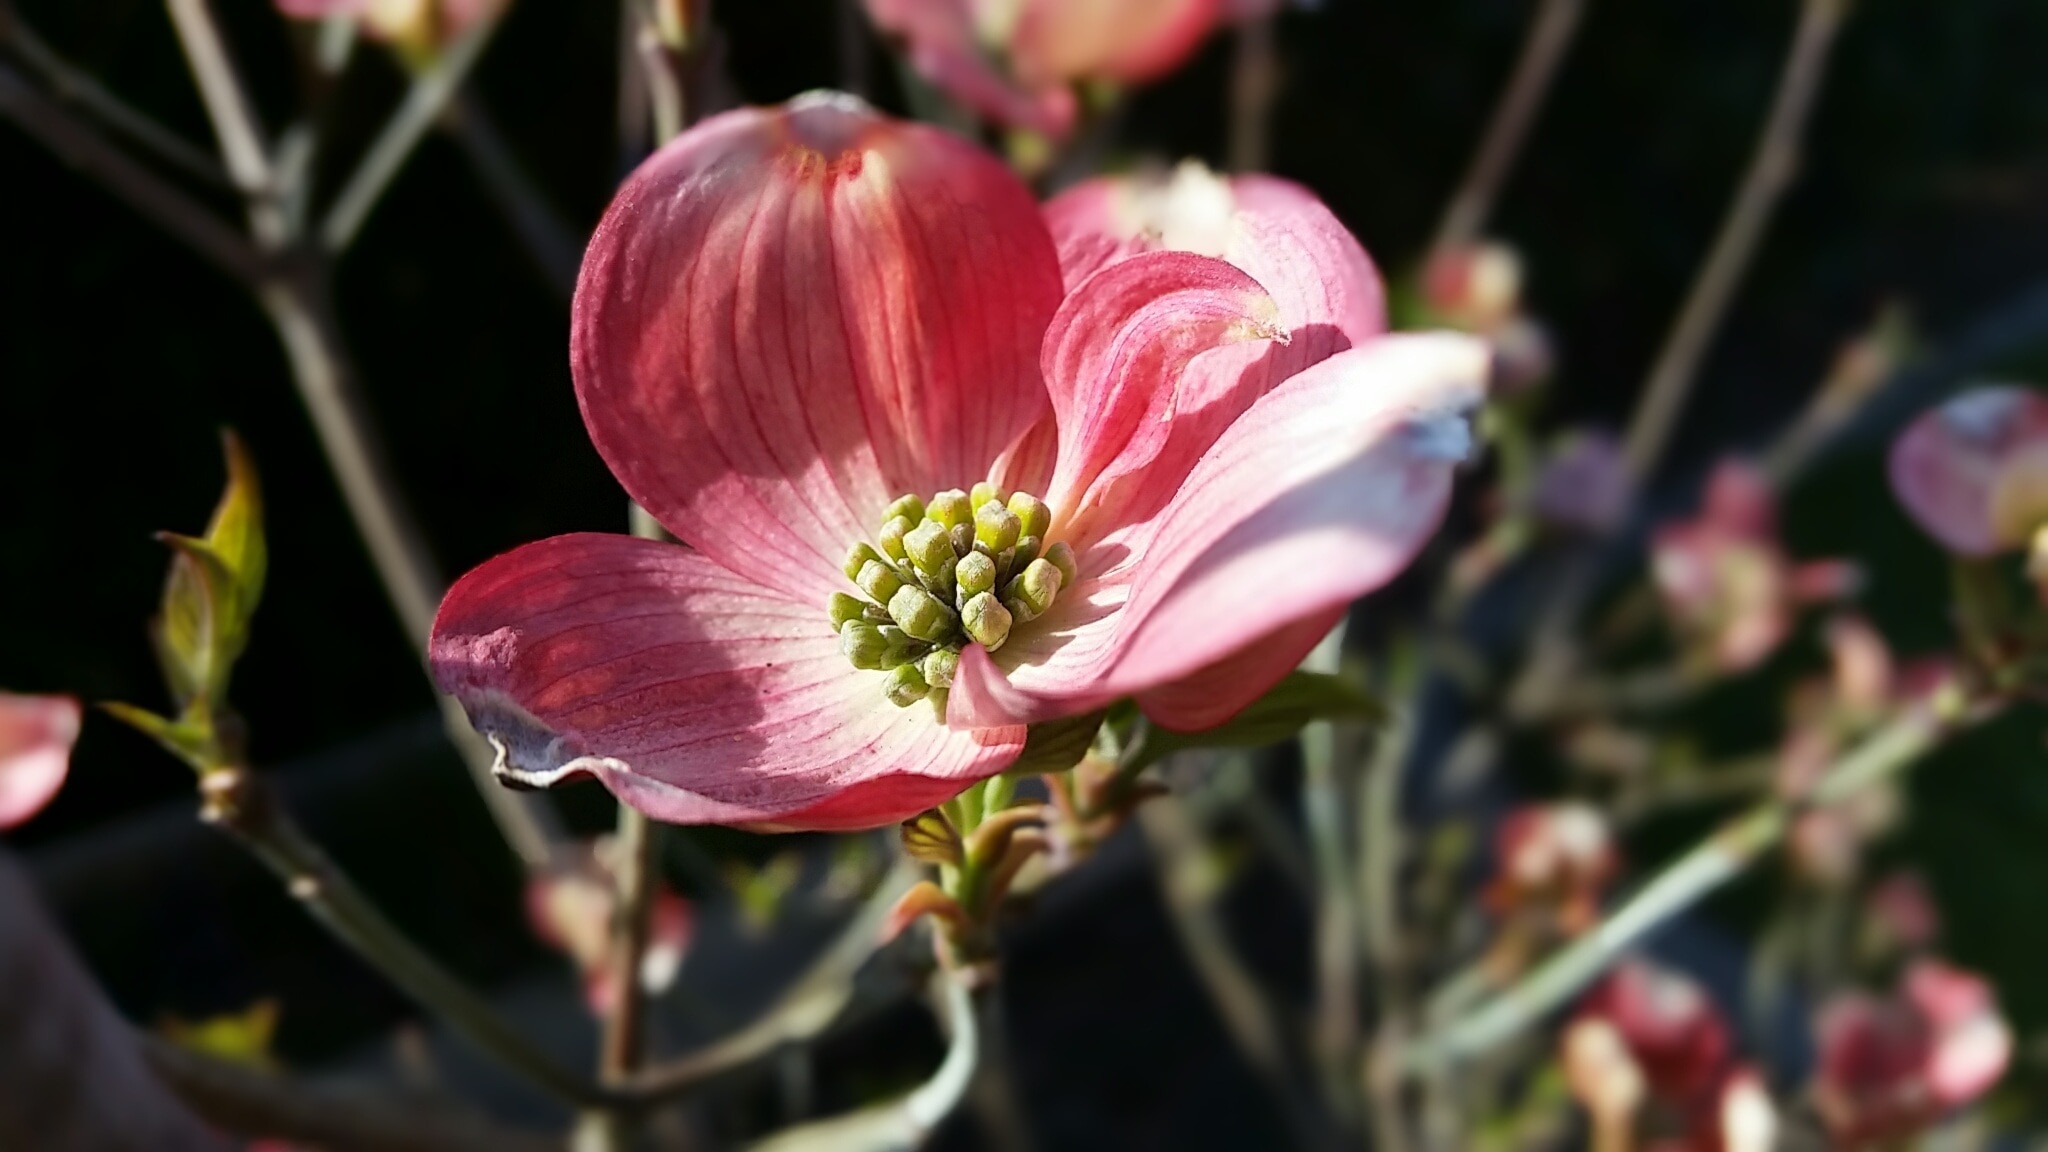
(1129, 41)
(1944, 466)
(1327, 293)
(693, 694)
(791, 316)
(320, 9)
(1214, 695)
(36, 735)
(1113, 360)
(1321, 492)
(944, 46)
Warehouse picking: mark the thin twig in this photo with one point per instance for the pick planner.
(242, 803)
(553, 245)
(79, 145)
(235, 127)
(249, 1102)
(425, 100)
(1714, 862)
(624, 1033)
(70, 84)
(1254, 83)
(1550, 36)
(804, 1011)
(1326, 811)
(1771, 172)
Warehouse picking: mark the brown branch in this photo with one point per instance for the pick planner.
(1771, 172)
(249, 1102)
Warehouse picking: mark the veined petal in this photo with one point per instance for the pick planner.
(1115, 352)
(1130, 41)
(1211, 696)
(1320, 493)
(1328, 293)
(36, 735)
(790, 316)
(693, 694)
(1946, 464)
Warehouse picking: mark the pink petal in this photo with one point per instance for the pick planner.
(36, 735)
(1130, 41)
(1327, 292)
(693, 694)
(1320, 493)
(320, 9)
(1114, 356)
(1212, 696)
(791, 316)
(1944, 465)
(944, 46)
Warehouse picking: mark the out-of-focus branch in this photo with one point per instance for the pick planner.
(810, 1005)
(1254, 83)
(71, 85)
(550, 241)
(624, 1032)
(253, 1103)
(75, 1080)
(242, 803)
(1715, 861)
(79, 145)
(235, 127)
(1771, 172)
(425, 100)
(905, 1123)
(1188, 882)
(1549, 38)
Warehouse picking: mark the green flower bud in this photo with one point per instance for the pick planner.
(891, 536)
(879, 579)
(844, 607)
(857, 558)
(920, 614)
(962, 538)
(928, 548)
(862, 644)
(949, 508)
(982, 493)
(1027, 550)
(939, 666)
(986, 621)
(908, 507)
(995, 527)
(976, 574)
(905, 686)
(901, 647)
(937, 699)
(1061, 556)
(1036, 517)
(1037, 587)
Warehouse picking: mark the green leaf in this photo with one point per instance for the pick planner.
(1057, 745)
(187, 632)
(190, 739)
(1293, 704)
(236, 534)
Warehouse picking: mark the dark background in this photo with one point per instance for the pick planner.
(121, 354)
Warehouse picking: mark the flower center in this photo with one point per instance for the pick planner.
(962, 568)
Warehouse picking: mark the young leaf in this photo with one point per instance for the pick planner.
(236, 531)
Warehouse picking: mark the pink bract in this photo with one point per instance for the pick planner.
(36, 735)
(1888, 1068)
(1014, 61)
(1675, 1033)
(1947, 464)
(788, 318)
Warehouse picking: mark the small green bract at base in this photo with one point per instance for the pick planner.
(960, 568)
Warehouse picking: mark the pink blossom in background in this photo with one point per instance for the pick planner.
(1556, 856)
(1901, 907)
(1889, 1068)
(794, 320)
(1583, 483)
(36, 735)
(1726, 582)
(1672, 1030)
(1973, 471)
(1015, 62)
(418, 24)
(572, 906)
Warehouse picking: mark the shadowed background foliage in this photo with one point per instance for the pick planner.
(120, 354)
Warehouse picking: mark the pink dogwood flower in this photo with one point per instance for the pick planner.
(1727, 584)
(1973, 471)
(415, 26)
(1889, 1068)
(830, 352)
(1015, 62)
(36, 735)
(1558, 858)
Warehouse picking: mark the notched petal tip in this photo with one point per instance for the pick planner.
(530, 755)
